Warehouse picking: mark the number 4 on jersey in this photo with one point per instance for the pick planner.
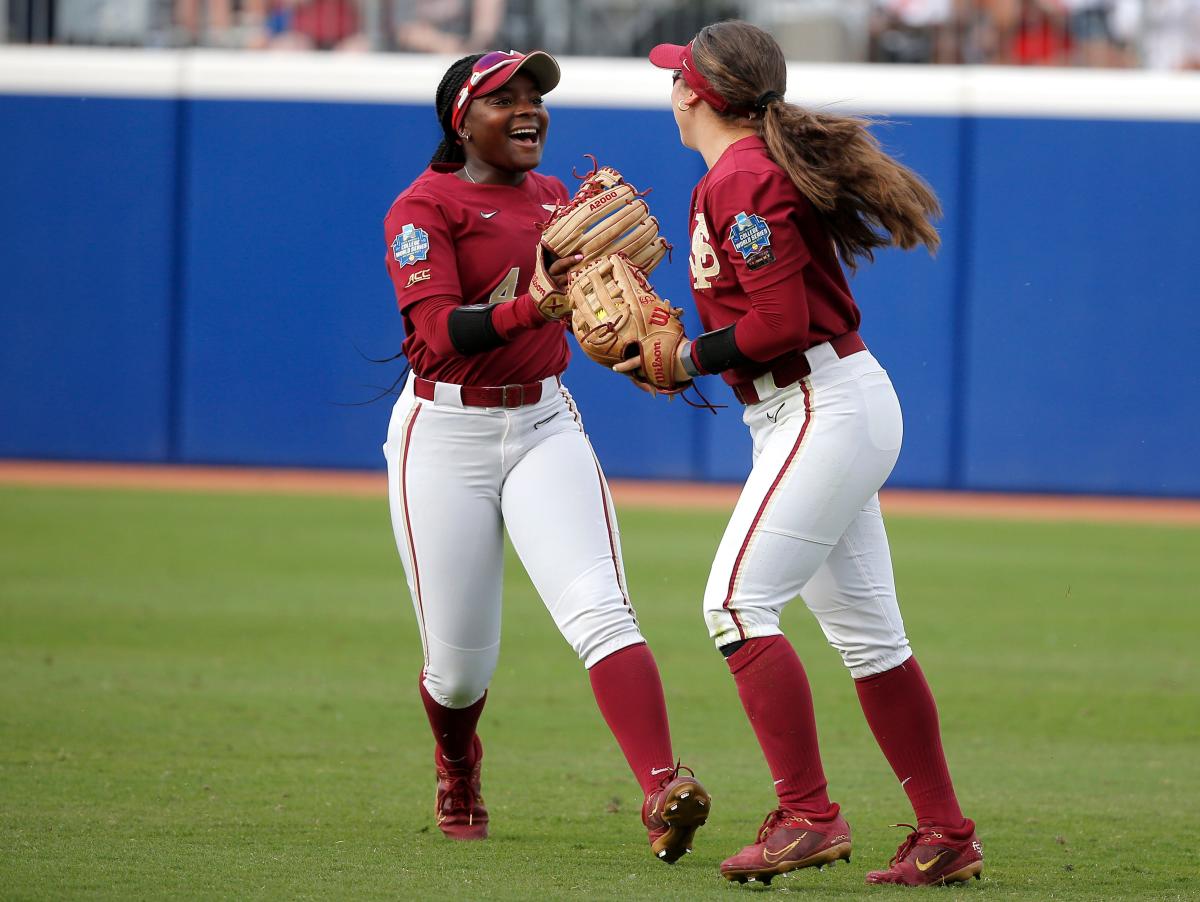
(506, 290)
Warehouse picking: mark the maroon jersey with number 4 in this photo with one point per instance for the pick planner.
(762, 258)
(455, 242)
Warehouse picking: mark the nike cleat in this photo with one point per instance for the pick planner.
(932, 856)
(787, 842)
(673, 812)
(459, 805)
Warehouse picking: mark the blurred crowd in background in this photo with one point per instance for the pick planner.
(1156, 34)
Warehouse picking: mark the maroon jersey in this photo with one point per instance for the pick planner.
(455, 242)
(754, 233)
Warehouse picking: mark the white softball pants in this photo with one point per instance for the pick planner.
(808, 521)
(457, 476)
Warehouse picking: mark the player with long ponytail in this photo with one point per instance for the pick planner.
(789, 196)
(866, 198)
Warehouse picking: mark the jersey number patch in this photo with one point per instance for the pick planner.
(506, 290)
(703, 259)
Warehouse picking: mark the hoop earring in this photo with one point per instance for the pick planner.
(465, 135)
(683, 107)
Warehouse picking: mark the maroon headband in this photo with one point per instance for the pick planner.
(679, 56)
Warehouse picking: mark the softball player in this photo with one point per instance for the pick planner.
(484, 436)
(787, 193)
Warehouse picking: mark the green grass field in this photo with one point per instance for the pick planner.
(213, 696)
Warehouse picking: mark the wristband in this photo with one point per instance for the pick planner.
(685, 357)
(471, 330)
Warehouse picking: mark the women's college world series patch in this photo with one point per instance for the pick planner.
(751, 237)
(411, 245)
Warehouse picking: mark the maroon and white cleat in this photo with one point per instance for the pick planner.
(673, 812)
(459, 804)
(787, 842)
(934, 856)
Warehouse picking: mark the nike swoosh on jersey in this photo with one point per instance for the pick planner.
(488, 215)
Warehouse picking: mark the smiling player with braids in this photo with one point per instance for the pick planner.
(485, 437)
(787, 193)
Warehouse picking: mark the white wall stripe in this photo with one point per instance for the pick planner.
(589, 82)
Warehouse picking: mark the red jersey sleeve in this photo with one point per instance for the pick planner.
(421, 259)
(752, 213)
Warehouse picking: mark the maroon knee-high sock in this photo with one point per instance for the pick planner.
(629, 693)
(903, 716)
(775, 693)
(453, 728)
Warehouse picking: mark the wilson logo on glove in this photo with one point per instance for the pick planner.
(660, 371)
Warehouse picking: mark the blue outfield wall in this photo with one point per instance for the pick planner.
(1083, 302)
(198, 280)
(87, 248)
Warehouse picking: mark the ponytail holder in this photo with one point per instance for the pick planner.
(765, 99)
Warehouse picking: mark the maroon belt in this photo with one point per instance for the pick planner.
(796, 368)
(510, 396)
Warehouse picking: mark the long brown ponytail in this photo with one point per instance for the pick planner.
(866, 198)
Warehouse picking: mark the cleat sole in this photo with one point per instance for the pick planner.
(683, 816)
(962, 875)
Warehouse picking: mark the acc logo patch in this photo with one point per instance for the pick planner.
(421, 275)
(751, 237)
(411, 245)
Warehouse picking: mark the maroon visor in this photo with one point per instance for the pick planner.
(494, 70)
(679, 56)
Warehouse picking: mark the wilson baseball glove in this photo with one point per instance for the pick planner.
(606, 216)
(616, 315)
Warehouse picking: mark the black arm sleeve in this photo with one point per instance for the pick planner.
(471, 330)
(717, 351)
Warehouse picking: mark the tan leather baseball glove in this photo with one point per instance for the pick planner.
(617, 315)
(607, 215)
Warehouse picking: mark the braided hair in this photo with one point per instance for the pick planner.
(450, 151)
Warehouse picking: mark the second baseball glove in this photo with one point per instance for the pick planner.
(616, 315)
(607, 215)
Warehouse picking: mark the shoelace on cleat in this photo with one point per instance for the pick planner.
(781, 818)
(907, 846)
(771, 823)
(674, 773)
(460, 795)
